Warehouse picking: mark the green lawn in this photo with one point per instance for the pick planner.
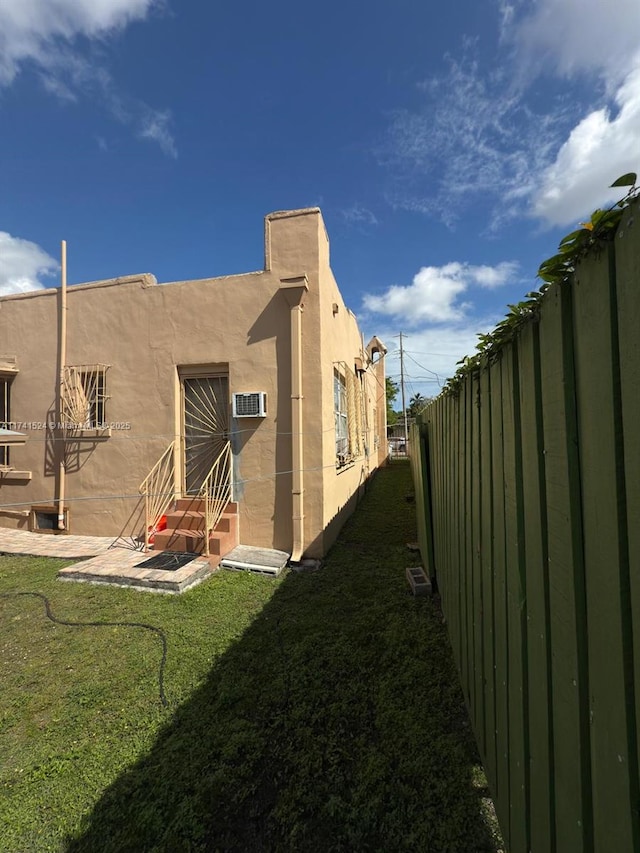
(316, 712)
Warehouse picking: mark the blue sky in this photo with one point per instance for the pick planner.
(449, 146)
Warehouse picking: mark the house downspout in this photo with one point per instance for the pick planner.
(63, 359)
(365, 411)
(294, 290)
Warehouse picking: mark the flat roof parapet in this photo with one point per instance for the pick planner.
(285, 214)
(144, 279)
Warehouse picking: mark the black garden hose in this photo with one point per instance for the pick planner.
(158, 631)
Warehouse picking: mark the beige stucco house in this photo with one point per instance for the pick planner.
(254, 393)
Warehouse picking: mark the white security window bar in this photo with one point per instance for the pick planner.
(84, 396)
(9, 436)
(5, 418)
(341, 417)
(354, 414)
(349, 413)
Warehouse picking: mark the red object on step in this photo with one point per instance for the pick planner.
(161, 525)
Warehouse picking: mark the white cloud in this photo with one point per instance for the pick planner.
(155, 124)
(504, 273)
(358, 214)
(433, 295)
(56, 37)
(474, 137)
(22, 264)
(507, 12)
(431, 353)
(600, 148)
(578, 36)
(602, 143)
(69, 76)
(442, 329)
(31, 29)
(541, 129)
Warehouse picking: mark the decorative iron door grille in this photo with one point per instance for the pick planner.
(205, 407)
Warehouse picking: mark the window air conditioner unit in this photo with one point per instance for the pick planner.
(251, 405)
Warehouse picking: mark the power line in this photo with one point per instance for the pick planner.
(433, 373)
(435, 354)
(240, 481)
(404, 405)
(427, 369)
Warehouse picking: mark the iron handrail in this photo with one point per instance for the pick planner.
(216, 492)
(158, 489)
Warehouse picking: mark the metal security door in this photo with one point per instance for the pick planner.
(205, 408)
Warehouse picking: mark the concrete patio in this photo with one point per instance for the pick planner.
(104, 560)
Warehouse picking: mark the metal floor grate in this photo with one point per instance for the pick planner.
(168, 561)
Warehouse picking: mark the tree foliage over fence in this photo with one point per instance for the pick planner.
(574, 247)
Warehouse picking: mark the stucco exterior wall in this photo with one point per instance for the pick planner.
(147, 332)
(341, 343)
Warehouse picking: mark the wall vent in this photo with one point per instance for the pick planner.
(44, 519)
(250, 405)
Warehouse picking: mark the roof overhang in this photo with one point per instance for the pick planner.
(9, 436)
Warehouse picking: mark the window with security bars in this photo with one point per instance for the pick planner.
(5, 417)
(341, 416)
(84, 396)
(355, 405)
(93, 385)
(349, 414)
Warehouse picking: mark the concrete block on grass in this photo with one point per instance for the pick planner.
(418, 581)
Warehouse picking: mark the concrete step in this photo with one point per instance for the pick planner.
(223, 539)
(191, 541)
(188, 519)
(185, 504)
(195, 520)
(225, 535)
(221, 543)
(194, 504)
(226, 524)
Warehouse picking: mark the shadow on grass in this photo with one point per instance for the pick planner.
(334, 723)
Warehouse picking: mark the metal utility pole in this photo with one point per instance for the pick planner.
(62, 355)
(404, 407)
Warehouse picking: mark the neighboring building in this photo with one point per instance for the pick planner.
(271, 362)
(396, 438)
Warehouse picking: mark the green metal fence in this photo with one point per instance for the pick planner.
(528, 499)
